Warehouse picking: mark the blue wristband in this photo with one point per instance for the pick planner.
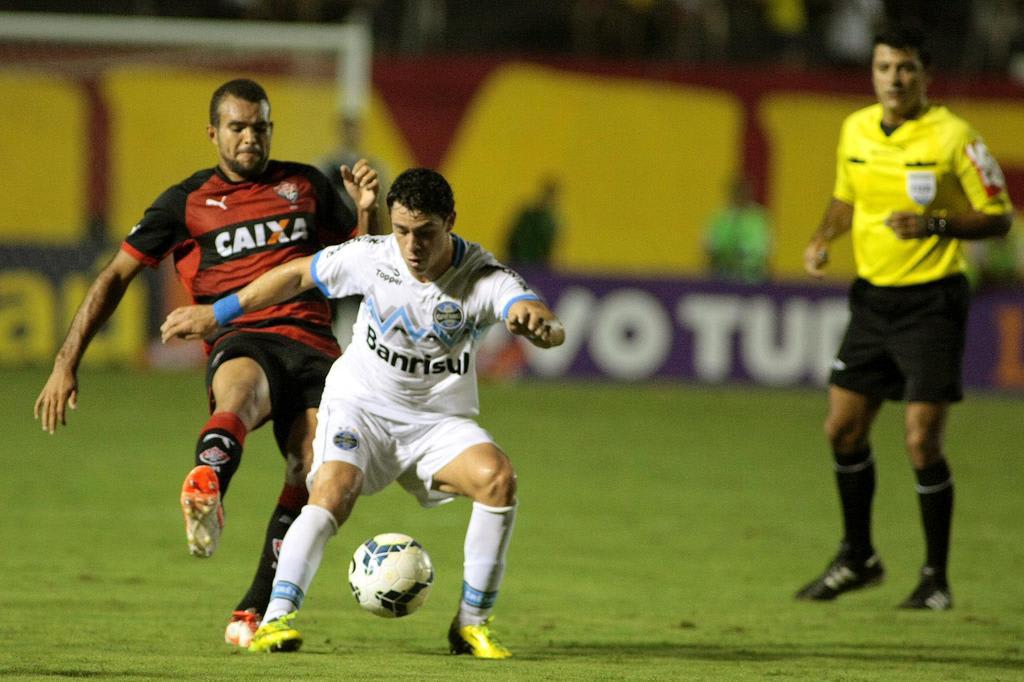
(226, 309)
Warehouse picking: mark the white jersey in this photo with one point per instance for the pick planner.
(413, 349)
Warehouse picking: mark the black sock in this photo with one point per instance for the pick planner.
(289, 505)
(220, 446)
(935, 494)
(855, 478)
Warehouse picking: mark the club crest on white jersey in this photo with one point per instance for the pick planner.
(448, 315)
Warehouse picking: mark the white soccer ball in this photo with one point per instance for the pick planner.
(390, 575)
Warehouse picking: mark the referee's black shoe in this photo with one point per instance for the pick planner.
(843, 574)
(931, 593)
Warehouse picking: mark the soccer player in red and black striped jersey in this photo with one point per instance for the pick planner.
(224, 227)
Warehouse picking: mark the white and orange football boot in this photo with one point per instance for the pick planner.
(204, 516)
(242, 627)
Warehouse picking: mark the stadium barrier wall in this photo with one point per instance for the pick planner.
(629, 329)
(644, 152)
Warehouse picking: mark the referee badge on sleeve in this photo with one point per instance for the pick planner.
(921, 187)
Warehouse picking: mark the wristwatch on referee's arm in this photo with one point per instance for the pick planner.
(936, 226)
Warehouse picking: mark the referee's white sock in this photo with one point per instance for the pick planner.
(487, 540)
(301, 552)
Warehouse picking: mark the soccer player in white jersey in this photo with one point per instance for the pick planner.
(401, 401)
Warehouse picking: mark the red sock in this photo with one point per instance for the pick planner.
(293, 498)
(220, 446)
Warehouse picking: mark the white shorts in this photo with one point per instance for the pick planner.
(386, 450)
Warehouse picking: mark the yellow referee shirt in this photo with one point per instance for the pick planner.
(935, 164)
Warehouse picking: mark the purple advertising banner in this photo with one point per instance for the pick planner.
(715, 332)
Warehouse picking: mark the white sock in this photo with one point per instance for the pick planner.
(487, 539)
(301, 552)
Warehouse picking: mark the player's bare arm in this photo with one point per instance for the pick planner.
(61, 388)
(969, 225)
(362, 184)
(838, 220)
(274, 286)
(536, 322)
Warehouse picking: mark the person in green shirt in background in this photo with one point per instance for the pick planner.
(738, 238)
(531, 239)
(997, 263)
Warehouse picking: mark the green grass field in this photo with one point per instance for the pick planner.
(661, 534)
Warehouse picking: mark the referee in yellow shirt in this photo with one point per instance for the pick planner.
(912, 181)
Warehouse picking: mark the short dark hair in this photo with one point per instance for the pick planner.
(242, 88)
(905, 38)
(422, 190)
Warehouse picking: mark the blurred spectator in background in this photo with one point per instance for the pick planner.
(629, 28)
(308, 11)
(996, 38)
(850, 30)
(738, 238)
(998, 263)
(422, 27)
(530, 242)
(971, 36)
(531, 239)
(349, 150)
(786, 21)
(949, 22)
(702, 31)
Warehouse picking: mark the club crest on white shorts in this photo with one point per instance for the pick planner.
(346, 439)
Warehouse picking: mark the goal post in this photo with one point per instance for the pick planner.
(350, 43)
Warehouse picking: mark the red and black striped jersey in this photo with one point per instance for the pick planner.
(225, 234)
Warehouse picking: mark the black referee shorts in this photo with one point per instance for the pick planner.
(295, 372)
(905, 343)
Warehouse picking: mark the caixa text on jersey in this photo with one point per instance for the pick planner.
(240, 239)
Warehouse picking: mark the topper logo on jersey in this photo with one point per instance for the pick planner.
(391, 275)
(240, 239)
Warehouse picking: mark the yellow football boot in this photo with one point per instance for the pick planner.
(478, 640)
(277, 635)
